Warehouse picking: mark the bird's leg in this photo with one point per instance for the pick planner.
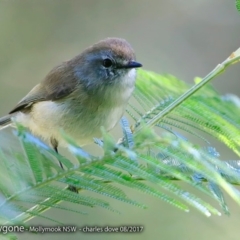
(54, 144)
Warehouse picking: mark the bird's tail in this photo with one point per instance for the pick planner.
(5, 120)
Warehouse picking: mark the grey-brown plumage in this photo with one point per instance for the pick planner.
(80, 95)
(62, 80)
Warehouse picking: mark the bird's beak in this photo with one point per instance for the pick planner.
(132, 64)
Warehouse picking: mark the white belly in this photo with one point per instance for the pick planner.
(49, 123)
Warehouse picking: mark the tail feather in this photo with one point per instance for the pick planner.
(5, 120)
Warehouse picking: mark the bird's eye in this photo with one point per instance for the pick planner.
(107, 63)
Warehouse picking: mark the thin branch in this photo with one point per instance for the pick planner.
(232, 59)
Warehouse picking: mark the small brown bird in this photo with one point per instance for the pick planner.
(80, 95)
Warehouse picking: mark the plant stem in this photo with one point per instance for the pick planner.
(233, 58)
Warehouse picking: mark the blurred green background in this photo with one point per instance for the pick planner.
(184, 38)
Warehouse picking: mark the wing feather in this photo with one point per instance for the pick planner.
(59, 83)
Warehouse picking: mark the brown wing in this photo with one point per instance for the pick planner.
(59, 83)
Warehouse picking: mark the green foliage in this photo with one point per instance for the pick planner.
(238, 5)
(147, 159)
